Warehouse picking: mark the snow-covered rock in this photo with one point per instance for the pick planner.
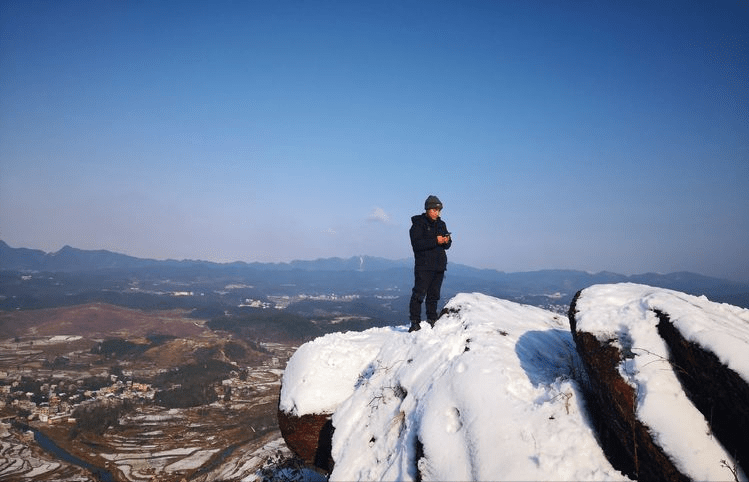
(493, 392)
(668, 380)
(487, 394)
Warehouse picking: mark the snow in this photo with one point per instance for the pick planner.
(490, 393)
(719, 327)
(64, 338)
(627, 311)
(196, 460)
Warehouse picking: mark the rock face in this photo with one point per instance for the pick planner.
(664, 375)
(309, 437)
(716, 390)
(611, 402)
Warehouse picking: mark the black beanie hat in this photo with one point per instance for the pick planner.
(432, 202)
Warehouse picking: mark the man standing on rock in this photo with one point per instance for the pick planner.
(429, 240)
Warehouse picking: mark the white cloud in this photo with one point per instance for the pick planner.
(378, 215)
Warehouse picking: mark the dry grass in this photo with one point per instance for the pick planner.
(98, 320)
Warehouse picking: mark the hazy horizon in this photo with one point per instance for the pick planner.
(591, 136)
(407, 260)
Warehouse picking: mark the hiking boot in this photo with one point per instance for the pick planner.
(415, 326)
(432, 322)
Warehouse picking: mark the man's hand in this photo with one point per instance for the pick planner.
(443, 239)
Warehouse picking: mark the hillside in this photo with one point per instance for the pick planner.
(97, 320)
(34, 279)
(501, 391)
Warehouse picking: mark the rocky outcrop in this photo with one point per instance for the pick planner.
(664, 375)
(611, 404)
(717, 391)
(607, 350)
(309, 437)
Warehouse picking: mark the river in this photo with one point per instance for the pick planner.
(50, 446)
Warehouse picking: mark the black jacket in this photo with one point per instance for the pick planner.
(427, 253)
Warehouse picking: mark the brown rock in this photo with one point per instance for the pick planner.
(310, 437)
(717, 391)
(611, 404)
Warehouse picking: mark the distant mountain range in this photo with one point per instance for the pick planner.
(69, 259)
(538, 288)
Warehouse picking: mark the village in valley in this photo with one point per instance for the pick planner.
(69, 410)
(172, 371)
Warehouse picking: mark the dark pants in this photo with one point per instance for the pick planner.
(427, 284)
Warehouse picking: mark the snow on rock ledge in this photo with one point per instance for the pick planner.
(488, 394)
(668, 380)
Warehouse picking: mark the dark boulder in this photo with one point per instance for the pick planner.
(717, 391)
(611, 404)
(611, 326)
(309, 437)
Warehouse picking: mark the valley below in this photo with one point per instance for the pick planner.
(195, 404)
(114, 368)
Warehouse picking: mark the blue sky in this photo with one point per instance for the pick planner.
(586, 135)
